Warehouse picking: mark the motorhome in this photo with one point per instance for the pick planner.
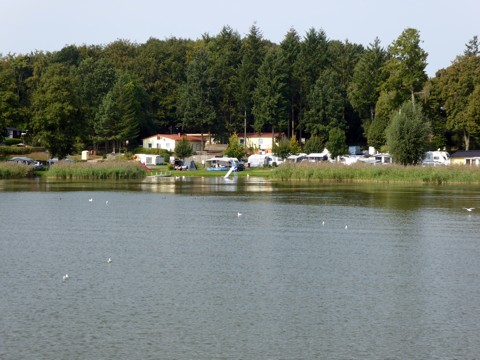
(318, 157)
(296, 158)
(260, 160)
(256, 160)
(436, 158)
(383, 159)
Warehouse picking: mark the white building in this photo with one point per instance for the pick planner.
(261, 142)
(168, 141)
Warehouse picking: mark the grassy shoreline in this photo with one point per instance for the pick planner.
(96, 170)
(377, 173)
(11, 170)
(323, 172)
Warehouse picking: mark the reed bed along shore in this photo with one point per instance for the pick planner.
(11, 170)
(322, 172)
(97, 170)
(377, 173)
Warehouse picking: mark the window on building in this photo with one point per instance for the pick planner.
(149, 145)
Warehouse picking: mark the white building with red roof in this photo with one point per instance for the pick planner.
(168, 141)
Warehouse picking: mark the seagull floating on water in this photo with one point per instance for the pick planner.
(65, 277)
(109, 260)
(346, 227)
(90, 199)
(239, 214)
(469, 209)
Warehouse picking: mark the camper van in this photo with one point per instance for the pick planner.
(436, 158)
(258, 160)
(296, 158)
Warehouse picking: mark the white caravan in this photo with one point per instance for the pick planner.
(436, 158)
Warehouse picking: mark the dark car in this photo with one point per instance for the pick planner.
(178, 164)
(240, 166)
(27, 161)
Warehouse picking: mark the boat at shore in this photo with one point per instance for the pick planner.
(221, 163)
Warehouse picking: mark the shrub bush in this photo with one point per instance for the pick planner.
(15, 150)
(12, 141)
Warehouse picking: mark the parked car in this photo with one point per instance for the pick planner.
(55, 160)
(38, 165)
(178, 164)
(27, 161)
(240, 166)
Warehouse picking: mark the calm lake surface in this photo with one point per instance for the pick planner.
(307, 271)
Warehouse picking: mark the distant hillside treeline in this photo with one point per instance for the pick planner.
(91, 96)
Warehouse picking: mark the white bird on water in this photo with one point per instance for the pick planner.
(109, 260)
(90, 199)
(346, 227)
(65, 277)
(239, 214)
(469, 209)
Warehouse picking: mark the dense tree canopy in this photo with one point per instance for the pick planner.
(195, 103)
(56, 121)
(97, 97)
(269, 100)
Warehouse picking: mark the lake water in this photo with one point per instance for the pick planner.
(305, 272)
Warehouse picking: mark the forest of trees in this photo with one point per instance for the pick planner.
(98, 97)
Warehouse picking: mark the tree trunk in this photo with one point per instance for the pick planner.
(293, 119)
(466, 140)
(245, 128)
(273, 137)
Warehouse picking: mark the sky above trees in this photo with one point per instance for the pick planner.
(445, 26)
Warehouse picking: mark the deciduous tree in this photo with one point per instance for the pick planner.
(405, 67)
(314, 144)
(336, 142)
(458, 83)
(55, 121)
(235, 149)
(407, 134)
(183, 149)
